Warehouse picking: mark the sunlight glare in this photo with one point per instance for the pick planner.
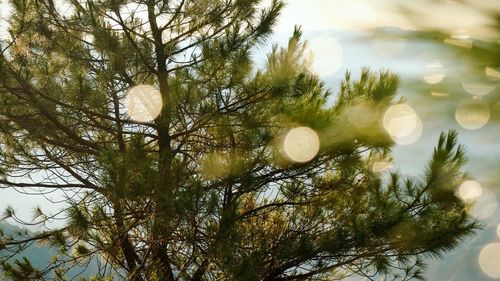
(472, 114)
(143, 103)
(301, 144)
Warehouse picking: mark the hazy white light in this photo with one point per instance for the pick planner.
(143, 103)
(489, 260)
(5, 9)
(139, 11)
(328, 55)
(301, 144)
(357, 15)
(88, 38)
(472, 114)
(470, 190)
(64, 8)
(498, 231)
(400, 120)
(434, 73)
(413, 137)
(4, 31)
(381, 166)
(477, 88)
(5, 13)
(484, 205)
(351, 15)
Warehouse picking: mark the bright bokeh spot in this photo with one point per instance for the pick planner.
(327, 53)
(498, 231)
(478, 88)
(489, 260)
(401, 122)
(434, 73)
(301, 144)
(472, 114)
(484, 201)
(143, 103)
(470, 190)
(413, 137)
(484, 205)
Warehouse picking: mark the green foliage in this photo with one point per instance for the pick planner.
(204, 191)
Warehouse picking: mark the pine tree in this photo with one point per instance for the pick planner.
(205, 189)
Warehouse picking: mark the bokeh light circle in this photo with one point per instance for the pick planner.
(472, 114)
(327, 55)
(484, 205)
(413, 137)
(435, 73)
(400, 121)
(478, 88)
(301, 144)
(489, 260)
(469, 190)
(143, 103)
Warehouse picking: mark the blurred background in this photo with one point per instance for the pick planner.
(447, 54)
